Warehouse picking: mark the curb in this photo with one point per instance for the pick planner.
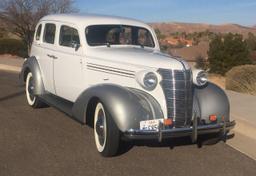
(245, 139)
(246, 128)
(10, 68)
(243, 144)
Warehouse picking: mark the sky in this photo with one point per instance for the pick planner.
(195, 11)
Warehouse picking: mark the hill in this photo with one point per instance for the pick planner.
(189, 47)
(168, 28)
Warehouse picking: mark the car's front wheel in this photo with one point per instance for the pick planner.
(32, 99)
(106, 133)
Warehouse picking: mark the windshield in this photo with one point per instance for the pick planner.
(97, 35)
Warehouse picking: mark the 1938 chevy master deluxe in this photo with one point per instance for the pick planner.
(108, 72)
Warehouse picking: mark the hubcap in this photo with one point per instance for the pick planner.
(100, 127)
(31, 88)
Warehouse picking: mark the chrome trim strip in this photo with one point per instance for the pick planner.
(113, 73)
(105, 69)
(109, 67)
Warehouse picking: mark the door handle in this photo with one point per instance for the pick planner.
(52, 56)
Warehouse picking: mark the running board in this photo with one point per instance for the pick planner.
(59, 103)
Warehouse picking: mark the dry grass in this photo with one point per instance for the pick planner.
(242, 79)
(191, 53)
(218, 80)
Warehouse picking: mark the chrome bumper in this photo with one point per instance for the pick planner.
(192, 131)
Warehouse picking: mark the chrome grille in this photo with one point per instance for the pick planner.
(177, 87)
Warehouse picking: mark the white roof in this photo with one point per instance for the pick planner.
(90, 19)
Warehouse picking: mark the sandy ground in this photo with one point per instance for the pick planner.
(11, 60)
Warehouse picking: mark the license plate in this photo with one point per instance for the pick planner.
(149, 124)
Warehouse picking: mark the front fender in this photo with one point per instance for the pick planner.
(126, 106)
(31, 65)
(211, 100)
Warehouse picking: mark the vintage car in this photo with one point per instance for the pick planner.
(108, 72)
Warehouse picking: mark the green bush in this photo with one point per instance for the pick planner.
(226, 52)
(14, 47)
(242, 79)
(201, 63)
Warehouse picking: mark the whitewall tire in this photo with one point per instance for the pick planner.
(32, 99)
(106, 133)
(29, 89)
(100, 127)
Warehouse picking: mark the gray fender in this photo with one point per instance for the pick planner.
(210, 100)
(126, 106)
(32, 65)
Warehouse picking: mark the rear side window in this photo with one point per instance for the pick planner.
(68, 36)
(38, 32)
(49, 33)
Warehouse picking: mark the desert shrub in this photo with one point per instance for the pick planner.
(242, 79)
(13, 46)
(163, 48)
(159, 34)
(201, 63)
(251, 41)
(226, 52)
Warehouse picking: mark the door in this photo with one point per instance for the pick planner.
(68, 63)
(43, 48)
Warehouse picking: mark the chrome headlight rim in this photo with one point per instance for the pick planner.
(200, 78)
(150, 81)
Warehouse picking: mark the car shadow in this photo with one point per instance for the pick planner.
(209, 139)
(14, 95)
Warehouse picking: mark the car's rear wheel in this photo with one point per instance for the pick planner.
(32, 99)
(106, 133)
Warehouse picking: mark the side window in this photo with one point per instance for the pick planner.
(38, 32)
(68, 36)
(145, 38)
(49, 33)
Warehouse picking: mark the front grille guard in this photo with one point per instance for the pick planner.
(177, 88)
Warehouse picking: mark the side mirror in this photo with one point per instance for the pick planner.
(75, 45)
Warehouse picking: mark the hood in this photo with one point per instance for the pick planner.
(136, 56)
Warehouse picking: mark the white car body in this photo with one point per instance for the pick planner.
(68, 76)
(127, 89)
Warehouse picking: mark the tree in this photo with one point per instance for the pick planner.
(227, 52)
(21, 16)
(251, 41)
(3, 32)
(159, 35)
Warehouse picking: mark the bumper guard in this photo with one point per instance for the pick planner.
(192, 131)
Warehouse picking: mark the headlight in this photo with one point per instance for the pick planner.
(199, 77)
(148, 80)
